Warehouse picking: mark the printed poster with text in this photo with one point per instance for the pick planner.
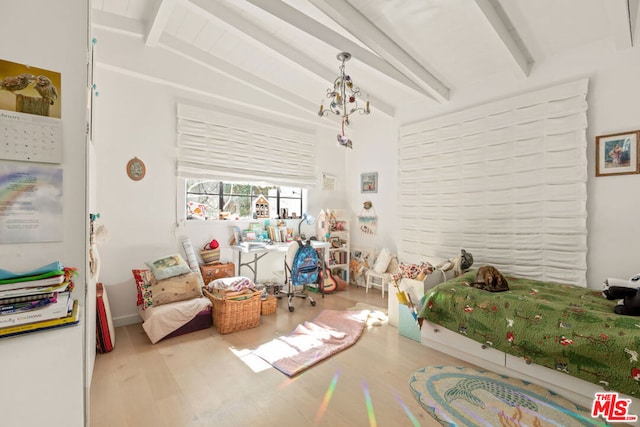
(30, 204)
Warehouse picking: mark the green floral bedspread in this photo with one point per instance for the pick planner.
(567, 328)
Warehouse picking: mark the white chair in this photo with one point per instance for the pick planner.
(381, 280)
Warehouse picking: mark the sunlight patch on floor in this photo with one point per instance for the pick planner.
(255, 363)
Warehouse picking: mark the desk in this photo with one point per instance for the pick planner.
(260, 251)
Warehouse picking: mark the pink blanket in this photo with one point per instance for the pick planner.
(328, 333)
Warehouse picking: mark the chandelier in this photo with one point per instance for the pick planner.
(343, 100)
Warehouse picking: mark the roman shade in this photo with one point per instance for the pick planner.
(224, 147)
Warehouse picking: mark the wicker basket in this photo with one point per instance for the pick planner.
(209, 256)
(269, 305)
(233, 315)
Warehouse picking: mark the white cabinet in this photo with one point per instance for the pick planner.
(447, 341)
(482, 355)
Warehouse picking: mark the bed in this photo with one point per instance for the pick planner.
(569, 329)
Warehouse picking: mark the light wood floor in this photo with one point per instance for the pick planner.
(201, 379)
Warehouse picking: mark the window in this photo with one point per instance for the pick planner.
(207, 199)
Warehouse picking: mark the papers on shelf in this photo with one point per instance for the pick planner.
(45, 269)
(253, 244)
(72, 318)
(54, 310)
(36, 283)
(34, 291)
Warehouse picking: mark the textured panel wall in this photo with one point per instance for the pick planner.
(505, 180)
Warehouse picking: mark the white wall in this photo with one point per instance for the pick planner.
(375, 145)
(614, 238)
(137, 117)
(48, 367)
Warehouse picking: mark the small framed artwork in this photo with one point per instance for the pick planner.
(368, 225)
(369, 182)
(617, 154)
(328, 182)
(237, 235)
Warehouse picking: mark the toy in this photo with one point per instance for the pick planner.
(626, 292)
(459, 264)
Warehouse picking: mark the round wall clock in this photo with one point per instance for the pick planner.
(136, 169)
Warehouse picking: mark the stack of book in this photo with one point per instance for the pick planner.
(280, 234)
(37, 300)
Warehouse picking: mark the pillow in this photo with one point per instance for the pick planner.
(176, 288)
(143, 283)
(413, 271)
(382, 262)
(169, 266)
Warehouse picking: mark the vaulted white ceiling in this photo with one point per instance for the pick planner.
(404, 51)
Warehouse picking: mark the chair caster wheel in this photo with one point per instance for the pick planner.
(313, 303)
(291, 309)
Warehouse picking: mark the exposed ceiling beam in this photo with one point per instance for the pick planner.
(221, 11)
(133, 28)
(312, 27)
(161, 16)
(116, 23)
(241, 106)
(621, 22)
(634, 14)
(490, 12)
(231, 71)
(357, 24)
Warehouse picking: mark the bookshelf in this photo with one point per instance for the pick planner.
(337, 233)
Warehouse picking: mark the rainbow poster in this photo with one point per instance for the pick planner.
(30, 204)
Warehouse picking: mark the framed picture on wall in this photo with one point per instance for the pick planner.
(617, 154)
(328, 182)
(368, 225)
(369, 182)
(237, 235)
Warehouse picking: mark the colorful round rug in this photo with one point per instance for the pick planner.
(457, 396)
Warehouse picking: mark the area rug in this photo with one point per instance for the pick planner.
(330, 332)
(457, 396)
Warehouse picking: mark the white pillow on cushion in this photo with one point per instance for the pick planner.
(168, 266)
(383, 261)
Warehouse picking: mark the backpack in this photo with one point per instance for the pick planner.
(305, 266)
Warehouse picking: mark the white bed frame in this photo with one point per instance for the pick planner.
(452, 343)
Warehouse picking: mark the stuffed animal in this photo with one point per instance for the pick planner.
(626, 292)
(459, 264)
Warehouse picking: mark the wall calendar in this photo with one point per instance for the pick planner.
(30, 113)
(30, 138)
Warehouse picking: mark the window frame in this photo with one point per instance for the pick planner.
(183, 198)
